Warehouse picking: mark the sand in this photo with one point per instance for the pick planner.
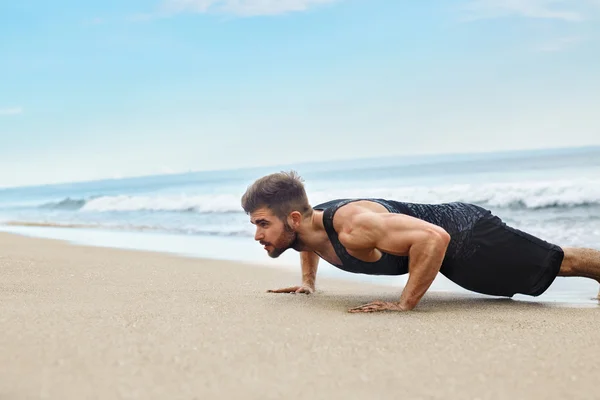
(96, 323)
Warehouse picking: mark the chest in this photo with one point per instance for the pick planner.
(328, 253)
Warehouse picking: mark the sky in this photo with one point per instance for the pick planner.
(92, 90)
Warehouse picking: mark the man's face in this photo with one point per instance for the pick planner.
(275, 235)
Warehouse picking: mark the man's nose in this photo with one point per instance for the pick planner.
(258, 235)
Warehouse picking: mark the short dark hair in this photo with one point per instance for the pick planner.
(281, 192)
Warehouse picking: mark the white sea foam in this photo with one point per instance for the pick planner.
(517, 195)
(228, 231)
(221, 215)
(530, 195)
(202, 204)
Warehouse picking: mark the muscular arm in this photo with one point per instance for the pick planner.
(424, 243)
(425, 259)
(309, 262)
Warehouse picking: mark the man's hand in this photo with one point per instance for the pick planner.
(378, 306)
(309, 262)
(295, 289)
(424, 243)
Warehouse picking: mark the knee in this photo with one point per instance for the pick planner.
(569, 262)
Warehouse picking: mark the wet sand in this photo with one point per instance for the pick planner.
(87, 322)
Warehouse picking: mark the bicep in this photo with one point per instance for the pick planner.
(391, 233)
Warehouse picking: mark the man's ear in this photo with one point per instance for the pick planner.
(295, 218)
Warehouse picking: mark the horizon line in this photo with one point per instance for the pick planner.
(313, 163)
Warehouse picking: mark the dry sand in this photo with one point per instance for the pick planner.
(93, 323)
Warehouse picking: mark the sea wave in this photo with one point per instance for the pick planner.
(512, 195)
(66, 204)
(198, 204)
(509, 195)
(222, 231)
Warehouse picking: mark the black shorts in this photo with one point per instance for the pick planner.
(504, 261)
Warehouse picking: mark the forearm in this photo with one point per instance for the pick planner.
(309, 262)
(425, 260)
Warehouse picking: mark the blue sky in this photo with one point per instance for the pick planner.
(141, 87)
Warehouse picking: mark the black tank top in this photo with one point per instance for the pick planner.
(456, 218)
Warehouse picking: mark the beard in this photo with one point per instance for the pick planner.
(287, 240)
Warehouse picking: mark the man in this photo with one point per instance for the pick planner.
(464, 242)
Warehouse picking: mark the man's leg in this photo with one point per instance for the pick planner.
(581, 262)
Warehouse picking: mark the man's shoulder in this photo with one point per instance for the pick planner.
(358, 227)
(327, 204)
(352, 215)
(346, 202)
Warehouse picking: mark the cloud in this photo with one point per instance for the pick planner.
(96, 21)
(560, 44)
(242, 7)
(11, 111)
(564, 10)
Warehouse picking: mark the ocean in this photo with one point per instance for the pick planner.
(553, 194)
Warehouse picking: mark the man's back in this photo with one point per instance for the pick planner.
(467, 243)
(456, 218)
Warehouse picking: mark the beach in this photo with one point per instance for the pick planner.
(90, 322)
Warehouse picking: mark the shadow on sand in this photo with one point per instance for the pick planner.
(436, 302)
